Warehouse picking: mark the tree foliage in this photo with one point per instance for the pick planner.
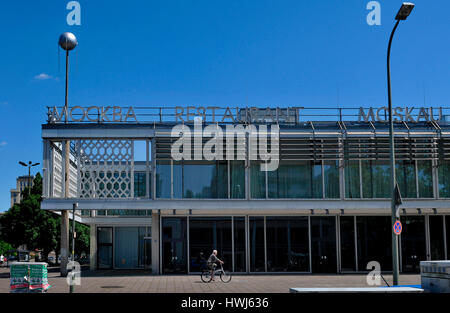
(26, 224)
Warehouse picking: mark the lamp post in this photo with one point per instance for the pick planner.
(67, 41)
(30, 165)
(402, 14)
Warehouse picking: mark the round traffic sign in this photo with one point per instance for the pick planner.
(397, 227)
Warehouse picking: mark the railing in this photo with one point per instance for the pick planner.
(232, 115)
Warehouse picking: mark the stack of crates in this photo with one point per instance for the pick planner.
(29, 277)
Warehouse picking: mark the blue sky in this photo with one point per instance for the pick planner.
(247, 52)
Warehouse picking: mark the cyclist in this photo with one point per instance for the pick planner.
(212, 263)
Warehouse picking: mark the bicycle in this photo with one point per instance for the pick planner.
(224, 276)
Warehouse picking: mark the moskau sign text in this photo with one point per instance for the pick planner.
(116, 114)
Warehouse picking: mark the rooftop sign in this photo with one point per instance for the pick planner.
(245, 115)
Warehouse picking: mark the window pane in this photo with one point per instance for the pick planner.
(207, 234)
(331, 178)
(163, 179)
(174, 242)
(323, 244)
(237, 179)
(374, 241)
(375, 178)
(352, 182)
(177, 180)
(239, 244)
(257, 244)
(425, 177)
(437, 237)
(296, 179)
(444, 179)
(257, 181)
(287, 244)
(347, 243)
(405, 172)
(413, 243)
(205, 180)
(139, 184)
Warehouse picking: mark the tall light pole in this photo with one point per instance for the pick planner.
(30, 165)
(68, 42)
(402, 14)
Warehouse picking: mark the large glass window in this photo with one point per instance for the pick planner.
(239, 244)
(200, 179)
(413, 243)
(296, 179)
(257, 181)
(207, 234)
(287, 244)
(405, 172)
(375, 178)
(205, 180)
(331, 178)
(425, 177)
(352, 180)
(348, 243)
(163, 176)
(437, 237)
(374, 241)
(237, 180)
(257, 259)
(140, 184)
(323, 244)
(174, 250)
(444, 179)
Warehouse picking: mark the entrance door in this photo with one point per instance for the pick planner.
(147, 253)
(105, 248)
(174, 245)
(323, 244)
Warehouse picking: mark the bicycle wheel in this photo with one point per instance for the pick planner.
(225, 277)
(206, 276)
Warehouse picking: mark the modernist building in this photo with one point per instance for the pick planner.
(22, 182)
(325, 209)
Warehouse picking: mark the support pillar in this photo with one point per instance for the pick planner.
(93, 248)
(64, 242)
(155, 243)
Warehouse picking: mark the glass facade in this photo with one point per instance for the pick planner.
(437, 242)
(412, 243)
(257, 255)
(367, 179)
(287, 244)
(105, 247)
(200, 180)
(207, 234)
(323, 244)
(239, 244)
(444, 178)
(174, 245)
(374, 241)
(347, 237)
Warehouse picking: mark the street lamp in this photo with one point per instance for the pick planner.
(402, 14)
(30, 165)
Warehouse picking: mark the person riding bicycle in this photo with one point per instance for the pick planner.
(212, 262)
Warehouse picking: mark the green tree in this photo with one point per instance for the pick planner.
(4, 247)
(26, 223)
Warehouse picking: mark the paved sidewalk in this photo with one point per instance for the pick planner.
(142, 282)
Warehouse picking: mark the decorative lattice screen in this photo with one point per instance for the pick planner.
(106, 168)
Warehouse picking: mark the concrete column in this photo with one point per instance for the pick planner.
(155, 243)
(64, 242)
(93, 248)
